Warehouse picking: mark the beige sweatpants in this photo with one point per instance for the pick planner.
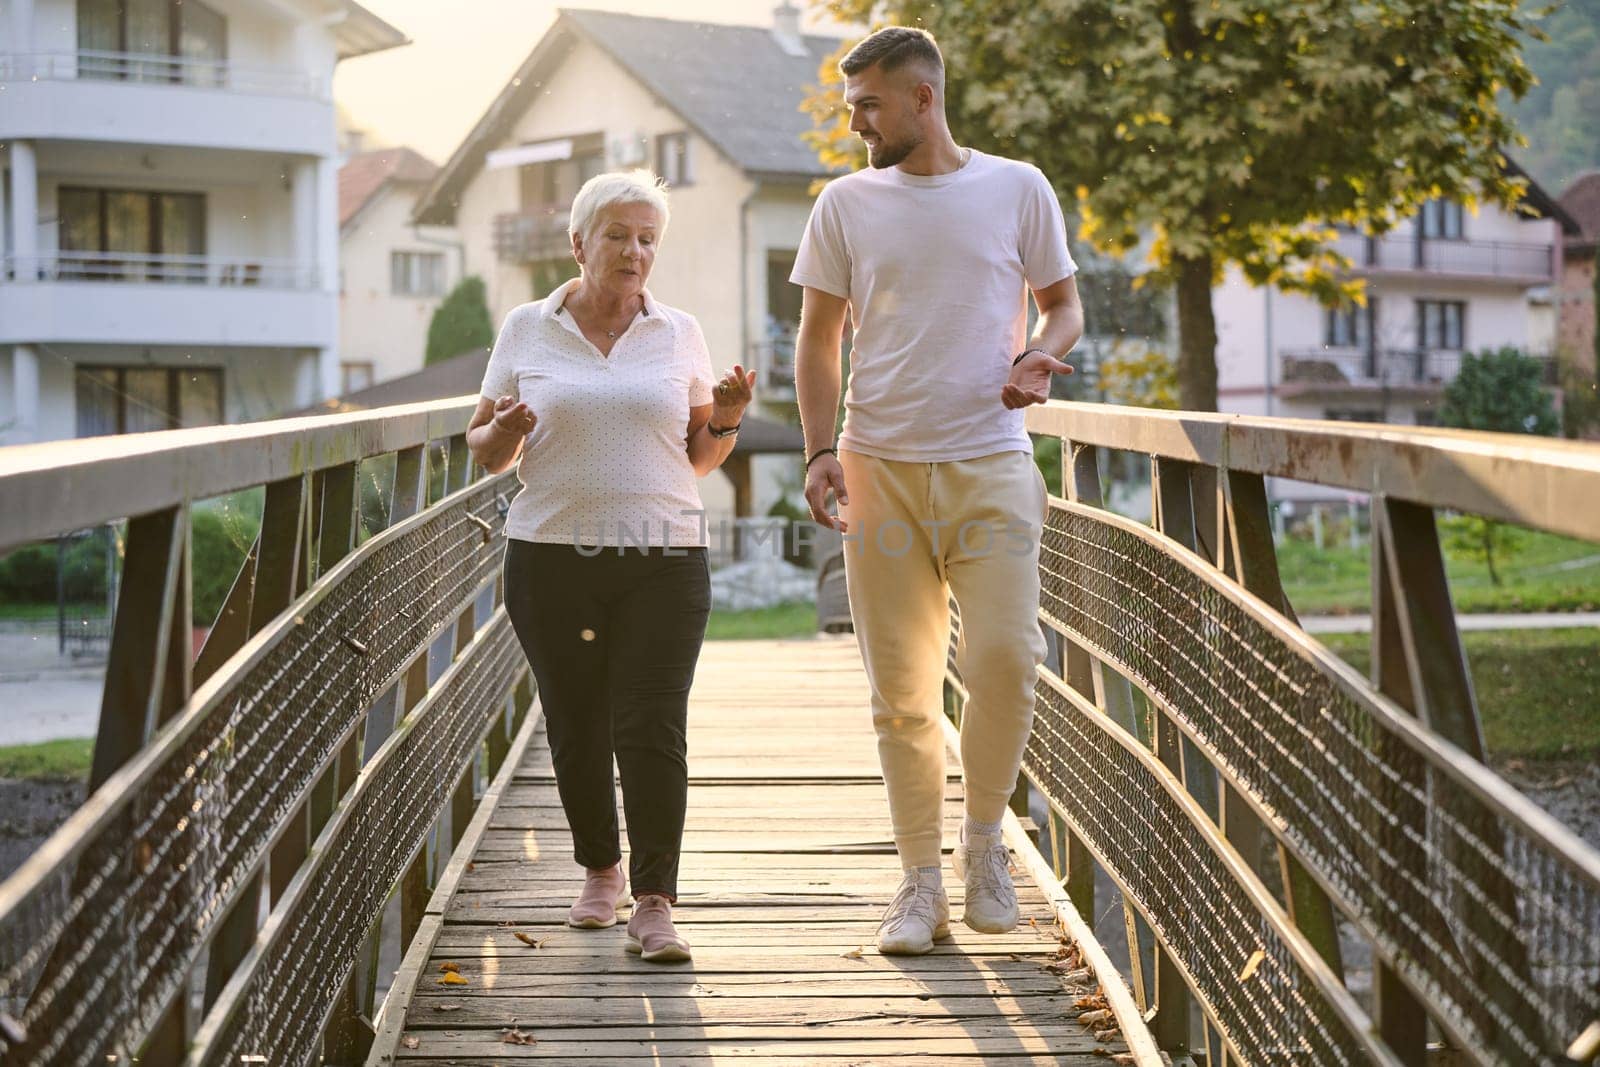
(919, 533)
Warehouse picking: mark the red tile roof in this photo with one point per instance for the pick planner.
(361, 178)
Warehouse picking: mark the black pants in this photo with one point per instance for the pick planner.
(613, 638)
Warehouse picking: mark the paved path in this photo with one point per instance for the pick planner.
(787, 866)
(1360, 624)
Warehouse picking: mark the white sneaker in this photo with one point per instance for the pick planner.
(983, 863)
(918, 916)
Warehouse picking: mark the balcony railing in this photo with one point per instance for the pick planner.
(531, 236)
(775, 362)
(1489, 259)
(153, 69)
(139, 268)
(1316, 369)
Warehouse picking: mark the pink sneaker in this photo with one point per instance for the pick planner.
(603, 892)
(651, 934)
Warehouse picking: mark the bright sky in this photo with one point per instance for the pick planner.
(429, 93)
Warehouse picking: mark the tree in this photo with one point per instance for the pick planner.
(460, 323)
(1142, 377)
(1230, 131)
(1500, 390)
(1561, 115)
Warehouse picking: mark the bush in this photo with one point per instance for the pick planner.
(1501, 390)
(28, 575)
(461, 323)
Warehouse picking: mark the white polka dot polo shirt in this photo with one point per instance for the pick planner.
(607, 462)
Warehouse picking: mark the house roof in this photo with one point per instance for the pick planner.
(359, 32)
(365, 174)
(736, 86)
(1541, 203)
(1581, 199)
(463, 375)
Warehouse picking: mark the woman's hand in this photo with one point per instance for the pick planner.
(514, 417)
(731, 396)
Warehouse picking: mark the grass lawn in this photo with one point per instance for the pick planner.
(1538, 690)
(1547, 573)
(31, 612)
(795, 619)
(48, 759)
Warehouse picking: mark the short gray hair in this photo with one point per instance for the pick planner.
(612, 188)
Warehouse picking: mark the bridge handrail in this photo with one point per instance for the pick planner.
(214, 775)
(1184, 720)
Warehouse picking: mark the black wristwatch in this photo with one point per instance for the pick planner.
(1024, 355)
(729, 432)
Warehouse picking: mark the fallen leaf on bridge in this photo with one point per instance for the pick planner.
(1251, 964)
(528, 939)
(411, 1042)
(447, 967)
(853, 954)
(452, 978)
(514, 1036)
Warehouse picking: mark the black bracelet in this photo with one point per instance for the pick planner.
(1024, 355)
(729, 432)
(819, 453)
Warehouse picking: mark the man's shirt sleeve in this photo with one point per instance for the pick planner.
(823, 261)
(1042, 236)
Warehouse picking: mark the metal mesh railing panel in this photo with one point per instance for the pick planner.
(92, 954)
(303, 971)
(1273, 1013)
(1496, 925)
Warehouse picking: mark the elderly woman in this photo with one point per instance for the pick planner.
(604, 399)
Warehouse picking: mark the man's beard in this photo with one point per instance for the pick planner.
(890, 153)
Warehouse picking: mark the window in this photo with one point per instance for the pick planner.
(354, 376)
(136, 399)
(1353, 415)
(100, 223)
(416, 273)
(184, 29)
(1441, 220)
(1441, 324)
(672, 158)
(1348, 327)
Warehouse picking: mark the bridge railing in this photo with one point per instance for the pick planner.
(219, 898)
(1252, 796)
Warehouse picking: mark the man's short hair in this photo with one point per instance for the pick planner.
(893, 48)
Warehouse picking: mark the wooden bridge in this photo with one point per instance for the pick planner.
(788, 864)
(351, 772)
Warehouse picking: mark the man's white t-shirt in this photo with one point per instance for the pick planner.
(937, 271)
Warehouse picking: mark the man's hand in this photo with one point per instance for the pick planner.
(514, 417)
(825, 476)
(1030, 380)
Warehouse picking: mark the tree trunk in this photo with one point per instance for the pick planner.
(1197, 336)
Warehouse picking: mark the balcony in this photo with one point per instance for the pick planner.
(148, 98)
(128, 298)
(1328, 372)
(532, 236)
(1530, 264)
(774, 363)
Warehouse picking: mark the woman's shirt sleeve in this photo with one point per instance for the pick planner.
(500, 376)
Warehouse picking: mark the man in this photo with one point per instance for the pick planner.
(932, 250)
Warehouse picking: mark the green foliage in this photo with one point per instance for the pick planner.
(1141, 377)
(69, 758)
(1501, 390)
(1234, 132)
(28, 574)
(1561, 115)
(460, 323)
(1580, 401)
(224, 530)
(1047, 457)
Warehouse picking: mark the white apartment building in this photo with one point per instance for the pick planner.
(1447, 282)
(170, 221)
(393, 272)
